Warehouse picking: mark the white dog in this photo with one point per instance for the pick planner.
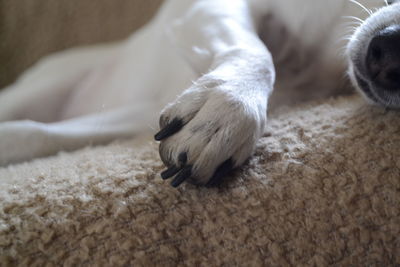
(220, 53)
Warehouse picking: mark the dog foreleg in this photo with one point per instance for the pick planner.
(214, 125)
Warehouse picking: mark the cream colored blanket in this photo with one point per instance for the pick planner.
(323, 188)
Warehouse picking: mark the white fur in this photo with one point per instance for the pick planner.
(93, 95)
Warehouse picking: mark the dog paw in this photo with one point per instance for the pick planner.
(209, 130)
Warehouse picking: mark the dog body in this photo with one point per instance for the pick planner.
(208, 66)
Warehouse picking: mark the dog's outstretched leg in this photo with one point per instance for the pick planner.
(144, 73)
(25, 139)
(42, 91)
(214, 125)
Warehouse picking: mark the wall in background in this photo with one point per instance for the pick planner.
(30, 29)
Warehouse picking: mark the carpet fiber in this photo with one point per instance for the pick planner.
(323, 188)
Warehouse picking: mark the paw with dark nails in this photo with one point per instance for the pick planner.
(208, 131)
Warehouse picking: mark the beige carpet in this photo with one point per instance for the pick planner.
(323, 188)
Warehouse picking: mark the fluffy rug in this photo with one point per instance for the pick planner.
(323, 188)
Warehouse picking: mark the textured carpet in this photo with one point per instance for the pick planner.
(323, 188)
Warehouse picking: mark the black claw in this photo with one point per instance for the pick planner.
(171, 171)
(174, 126)
(182, 176)
(220, 173)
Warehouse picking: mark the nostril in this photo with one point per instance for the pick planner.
(393, 76)
(383, 58)
(376, 53)
(374, 62)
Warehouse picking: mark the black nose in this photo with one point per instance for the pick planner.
(383, 58)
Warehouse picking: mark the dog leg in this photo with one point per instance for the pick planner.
(24, 140)
(144, 74)
(214, 125)
(41, 92)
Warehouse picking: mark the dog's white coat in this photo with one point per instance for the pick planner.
(211, 48)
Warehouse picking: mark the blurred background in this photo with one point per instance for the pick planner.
(31, 29)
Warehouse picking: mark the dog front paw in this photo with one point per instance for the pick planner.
(209, 130)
